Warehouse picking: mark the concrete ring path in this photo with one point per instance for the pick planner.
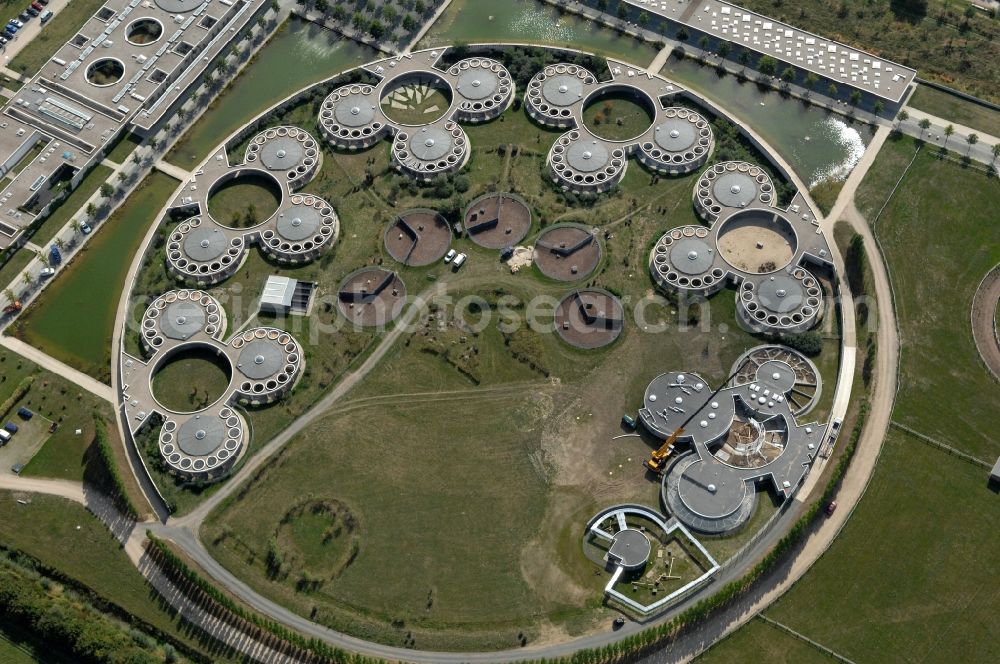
(984, 327)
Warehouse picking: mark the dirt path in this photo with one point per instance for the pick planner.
(984, 311)
(95, 387)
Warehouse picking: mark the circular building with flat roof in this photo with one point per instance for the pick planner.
(431, 150)
(301, 231)
(707, 497)
(203, 446)
(204, 252)
(287, 150)
(351, 119)
(496, 221)
(583, 163)
(589, 318)
(180, 316)
(417, 237)
(371, 296)
(684, 258)
(733, 185)
(785, 301)
(567, 252)
(483, 87)
(680, 143)
(267, 363)
(552, 91)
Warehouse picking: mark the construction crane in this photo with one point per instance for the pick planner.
(657, 461)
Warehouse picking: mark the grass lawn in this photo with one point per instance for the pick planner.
(940, 237)
(913, 575)
(192, 380)
(73, 319)
(245, 201)
(617, 117)
(759, 641)
(297, 54)
(71, 206)
(956, 110)
(125, 146)
(57, 32)
(10, 270)
(934, 41)
(50, 527)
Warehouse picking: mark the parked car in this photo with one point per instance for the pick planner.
(17, 24)
(24, 413)
(43, 2)
(37, 5)
(450, 255)
(11, 28)
(3, 40)
(459, 261)
(31, 11)
(831, 507)
(24, 17)
(17, 468)
(8, 33)
(46, 272)
(45, 16)
(85, 228)
(55, 257)
(10, 427)
(4, 437)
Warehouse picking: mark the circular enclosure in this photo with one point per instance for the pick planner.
(567, 252)
(618, 113)
(371, 297)
(105, 71)
(244, 199)
(496, 221)
(418, 237)
(757, 241)
(191, 378)
(143, 31)
(416, 99)
(589, 318)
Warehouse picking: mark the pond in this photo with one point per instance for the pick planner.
(534, 22)
(300, 53)
(818, 145)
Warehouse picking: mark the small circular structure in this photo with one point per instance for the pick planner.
(289, 150)
(301, 231)
(706, 497)
(567, 252)
(498, 220)
(371, 297)
(552, 91)
(734, 185)
(679, 144)
(231, 209)
(785, 301)
(206, 253)
(583, 163)
(484, 89)
(105, 72)
(203, 446)
(351, 119)
(684, 258)
(144, 31)
(431, 150)
(589, 318)
(179, 6)
(630, 548)
(268, 362)
(757, 241)
(417, 237)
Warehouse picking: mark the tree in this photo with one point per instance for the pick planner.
(725, 48)
(153, 142)
(106, 190)
(832, 90)
(339, 13)
(376, 29)
(409, 24)
(420, 6)
(28, 279)
(971, 139)
(358, 20)
(75, 225)
(9, 294)
(903, 116)
(121, 176)
(948, 131)
(767, 65)
(878, 107)
(602, 5)
(91, 210)
(703, 42)
(855, 97)
(390, 13)
(996, 152)
(643, 18)
(811, 80)
(744, 57)
(788, 74)
(622, 10)
(924, 124)
(322, 6)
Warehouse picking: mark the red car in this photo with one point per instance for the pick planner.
(38, 6)
(831, 507)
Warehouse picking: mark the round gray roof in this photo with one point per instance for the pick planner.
(631, 547)
(298, 222)
(691, 255)
(182, 319)
(587, 156)
(675, 134)
(711, 490)
(260, 358)
(179, 6)
(430, 143)
(777, 375)
(477, 83)
(562, 89)
(781, 293)
(734, 189)
(281, 153)
(201, 435)
(205, 243)
(355, 110)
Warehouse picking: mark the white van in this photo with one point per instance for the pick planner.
(459, 261)
(45, 16)
(4, 437)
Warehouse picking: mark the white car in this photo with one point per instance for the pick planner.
(85, 228)
(46, 272)
(16, 23)
(448, 256)
(459, 261)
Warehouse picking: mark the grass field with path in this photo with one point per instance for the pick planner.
(762, 642)
(192, 380)
(617, 117)
(955, 109)
(73, 319)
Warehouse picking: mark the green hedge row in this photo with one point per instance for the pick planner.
(117, 486)
(19, 391)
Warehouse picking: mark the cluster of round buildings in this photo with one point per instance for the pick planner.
(357, 116)
(677, 141)
(203, 250)
(761, 250)
(263, 364)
